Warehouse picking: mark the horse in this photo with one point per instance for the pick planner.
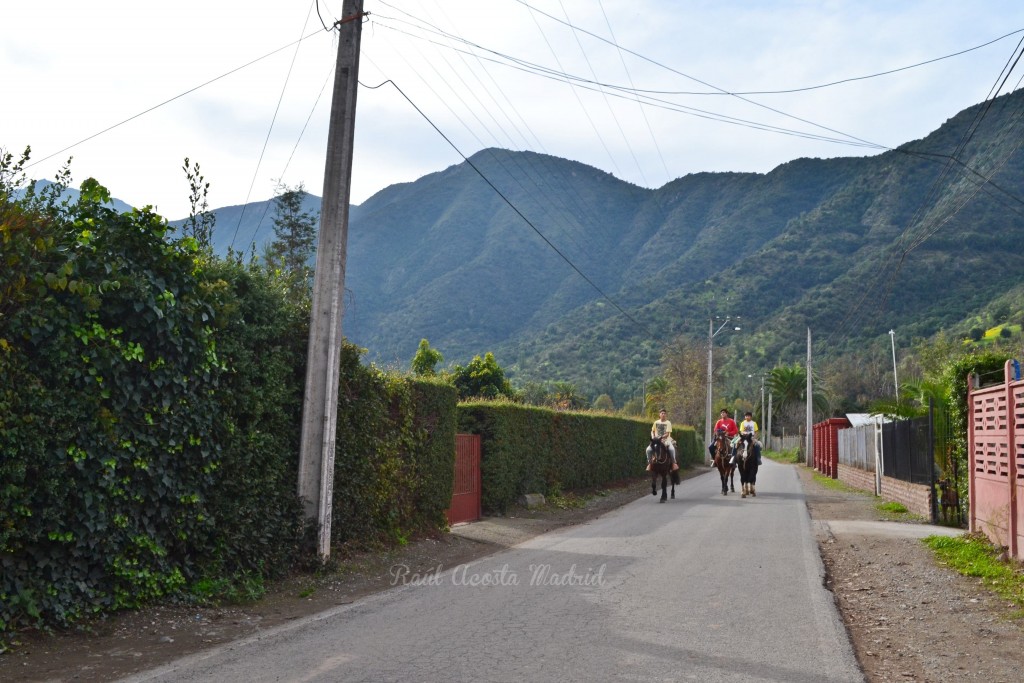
(746, 453)
(661, 464)
(723, 455)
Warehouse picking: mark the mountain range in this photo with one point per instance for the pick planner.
(568, 273)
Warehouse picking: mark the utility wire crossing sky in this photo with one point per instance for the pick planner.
(646, 90)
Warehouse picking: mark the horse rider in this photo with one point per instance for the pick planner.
(662, 429)
(726, 424)
(748, 426)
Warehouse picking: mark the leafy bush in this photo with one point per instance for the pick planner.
(107, 416)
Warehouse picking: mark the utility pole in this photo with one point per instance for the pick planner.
(895, 381)
(712, 333)
(768, 431)
(707, 401)
(810, 413)
(763, 422)
(320, 403)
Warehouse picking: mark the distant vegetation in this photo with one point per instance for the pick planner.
(848, 247)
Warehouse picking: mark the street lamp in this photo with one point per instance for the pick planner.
(712, 333)
(751, 376)
(892, 337)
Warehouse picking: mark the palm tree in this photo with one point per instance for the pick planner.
(788, 386)
(655, 395)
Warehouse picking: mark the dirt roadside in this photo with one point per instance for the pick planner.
(909, 618)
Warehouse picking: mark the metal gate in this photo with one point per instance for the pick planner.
(466, 491)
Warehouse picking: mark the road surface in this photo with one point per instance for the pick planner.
(704, 588)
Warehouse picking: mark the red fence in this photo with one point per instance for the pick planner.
(826, 445)
(995, 451)
(466, 492)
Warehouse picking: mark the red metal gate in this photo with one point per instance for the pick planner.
(466, 492)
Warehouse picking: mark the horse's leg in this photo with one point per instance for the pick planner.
(654, 483)
(732, 479)
(664, 482)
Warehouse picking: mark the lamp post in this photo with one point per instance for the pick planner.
(892, 337)
(762, 399)
(712, 333)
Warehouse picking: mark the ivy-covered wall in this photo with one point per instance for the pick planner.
(150, 409)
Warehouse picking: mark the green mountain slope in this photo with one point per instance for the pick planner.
(568, 273)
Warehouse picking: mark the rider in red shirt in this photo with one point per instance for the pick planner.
(728, 424)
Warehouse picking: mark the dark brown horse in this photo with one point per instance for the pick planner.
(723, 461)
(661, 464)
(746, 455)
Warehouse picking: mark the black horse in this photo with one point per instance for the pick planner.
(747, 453)
(661, 464)
(723, 461)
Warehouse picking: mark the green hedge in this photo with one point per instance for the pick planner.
(528, 449)
(150, 407)
(395, 454)
(689, 447)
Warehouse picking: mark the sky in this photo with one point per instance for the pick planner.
(647, 90)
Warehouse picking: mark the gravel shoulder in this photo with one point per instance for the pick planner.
(909, 618)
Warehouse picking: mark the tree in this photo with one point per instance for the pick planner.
(684, 367)
(534, 393)
(481, 378)
(200, 221)
(565, 396)
(424, 363)
(604, 402)
(295, 231)
(788, 386)
(656, 393)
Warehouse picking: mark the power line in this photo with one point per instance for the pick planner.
(266, 207)
(273, 120)
(552, 74)
(513, 206)
(820, 86)
(168, 101)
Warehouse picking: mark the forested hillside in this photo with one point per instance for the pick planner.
(567, 273)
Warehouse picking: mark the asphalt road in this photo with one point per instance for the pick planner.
(705, 588)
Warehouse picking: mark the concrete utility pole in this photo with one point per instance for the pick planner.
(712, 333)
(810, 402)
(895, 380)
(320, 404)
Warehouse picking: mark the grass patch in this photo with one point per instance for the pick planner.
(976, 556)
(897, 512)
(837, 485)
(566, 501)
(790, 455)
(242, 588)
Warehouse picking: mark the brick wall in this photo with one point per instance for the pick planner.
(916, 497)
(857, 478)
